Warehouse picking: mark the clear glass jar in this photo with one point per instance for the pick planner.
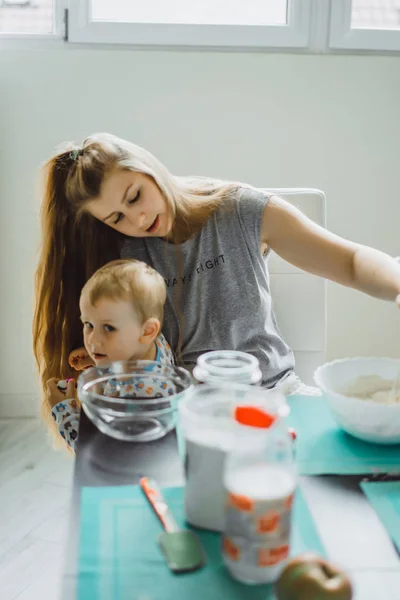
(259, 483)
(207, 432)
(133, 400)
(228, 366)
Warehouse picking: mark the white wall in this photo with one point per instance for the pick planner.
(330, 122)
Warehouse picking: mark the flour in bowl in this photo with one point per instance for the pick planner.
(373, 388)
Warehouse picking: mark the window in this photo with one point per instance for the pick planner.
(238, 23)
(365, 25)
(207, 12)
(307, 25)
(27, 17)
(375, 14)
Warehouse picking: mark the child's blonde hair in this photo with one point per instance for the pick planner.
(133, 281)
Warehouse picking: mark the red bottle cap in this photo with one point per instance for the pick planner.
(253, 417)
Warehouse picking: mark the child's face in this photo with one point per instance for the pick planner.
(111, 331)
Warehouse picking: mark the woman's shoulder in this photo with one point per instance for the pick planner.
(253, 194)
(242, 213)
(245, 201)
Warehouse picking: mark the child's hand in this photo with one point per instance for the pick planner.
(79, 359)
(398, 301)
(55, 395)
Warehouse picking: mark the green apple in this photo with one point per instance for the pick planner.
(310, 577)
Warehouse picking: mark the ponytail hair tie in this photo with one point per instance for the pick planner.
(75, 154)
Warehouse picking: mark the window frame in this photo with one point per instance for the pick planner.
(293, 35)
(315, 26)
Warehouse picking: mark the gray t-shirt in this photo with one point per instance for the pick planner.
(218, 287)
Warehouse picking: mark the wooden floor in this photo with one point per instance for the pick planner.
(35, 484)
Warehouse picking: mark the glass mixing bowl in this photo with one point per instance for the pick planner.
(134, 400)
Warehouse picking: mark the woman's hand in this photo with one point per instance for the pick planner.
(79, 359)
(55, 395)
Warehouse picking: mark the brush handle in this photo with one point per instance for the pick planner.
(159, 504)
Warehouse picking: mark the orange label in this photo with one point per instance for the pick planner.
(268, 523)
(230, 549)
(267, 557)
(281, 552)
(242, 503)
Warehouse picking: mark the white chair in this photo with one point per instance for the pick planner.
(300, 298)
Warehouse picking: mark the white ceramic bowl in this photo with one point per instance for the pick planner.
(365, 419)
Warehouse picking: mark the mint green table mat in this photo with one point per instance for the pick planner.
(384, 497)
(322, 448)
(119, 557)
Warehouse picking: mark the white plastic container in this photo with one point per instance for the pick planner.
(259, 482)
(208, 428)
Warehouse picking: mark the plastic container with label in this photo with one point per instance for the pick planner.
(208, 428)
(259, 483)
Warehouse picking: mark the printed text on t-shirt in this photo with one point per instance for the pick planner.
(202, 267)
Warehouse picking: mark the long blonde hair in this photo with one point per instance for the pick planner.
(75, 244)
